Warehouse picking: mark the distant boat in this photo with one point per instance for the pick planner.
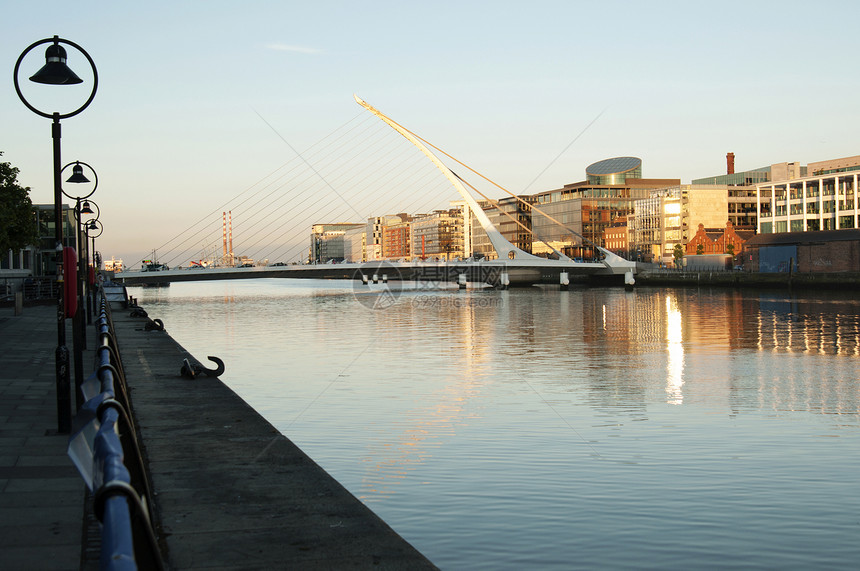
(154, 266)
(150, 266)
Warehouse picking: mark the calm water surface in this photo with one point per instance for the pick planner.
(533, 428)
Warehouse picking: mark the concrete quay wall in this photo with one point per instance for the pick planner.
(230, 491)
(844, 281)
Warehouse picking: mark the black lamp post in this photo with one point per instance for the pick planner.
(82, 207)
(56, 72)
(88, 286)
(94, 229)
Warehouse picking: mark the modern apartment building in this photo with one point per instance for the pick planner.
(354, 243)
(826, 199)
(40, 259)
(327, 241)
(396, 242)
(512, 218)
(438, 235)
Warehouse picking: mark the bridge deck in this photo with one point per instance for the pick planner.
(519, 272)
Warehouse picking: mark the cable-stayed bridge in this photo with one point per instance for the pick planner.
(512, 266)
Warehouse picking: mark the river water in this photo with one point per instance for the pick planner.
(541, 429)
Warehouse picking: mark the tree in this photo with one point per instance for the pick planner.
(17, 220)
(679, 254)
(700, 249)
(730, 249)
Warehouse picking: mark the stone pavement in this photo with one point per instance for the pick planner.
(42, 496)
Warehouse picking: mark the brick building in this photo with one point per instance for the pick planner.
(718, 240)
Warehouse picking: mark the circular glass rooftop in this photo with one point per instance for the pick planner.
(614, 171)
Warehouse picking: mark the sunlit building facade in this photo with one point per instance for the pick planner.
(396, 239)
(438, 235)
(327, 241)
(671, 216)
(827, 199)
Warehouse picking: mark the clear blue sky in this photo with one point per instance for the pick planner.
(176, 129)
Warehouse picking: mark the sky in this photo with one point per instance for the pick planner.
(198, 101)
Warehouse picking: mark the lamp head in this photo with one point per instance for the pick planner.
(78, 174)
(55, 71)
(85, 208)
(92, 225)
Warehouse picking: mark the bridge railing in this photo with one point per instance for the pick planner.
(105, 448)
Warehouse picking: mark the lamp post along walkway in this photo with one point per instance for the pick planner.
(56, 72)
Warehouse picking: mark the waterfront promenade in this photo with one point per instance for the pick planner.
(42, 497)
(230, 492)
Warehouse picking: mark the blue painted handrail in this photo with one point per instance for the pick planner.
(110, 460)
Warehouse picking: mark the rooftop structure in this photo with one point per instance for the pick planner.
(614, 171)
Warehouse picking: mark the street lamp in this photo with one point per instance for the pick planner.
(85, 262)
(96, 227)
(82, 206)
(56, 72)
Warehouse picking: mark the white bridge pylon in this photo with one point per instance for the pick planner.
(506, 251)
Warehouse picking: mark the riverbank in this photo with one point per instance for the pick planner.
(838, 281)
(230, 490)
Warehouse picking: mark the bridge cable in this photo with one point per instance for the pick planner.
(207, 216)
(583, 238)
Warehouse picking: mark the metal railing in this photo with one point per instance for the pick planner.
(105, 448)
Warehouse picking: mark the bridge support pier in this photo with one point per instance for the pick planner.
(376, 278)
(461, 280)
(385, 278)
(504, 280)
(563, 281)
(629, 280)
(364, 279)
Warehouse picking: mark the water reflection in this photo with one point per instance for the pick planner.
(445, 327)
(675, 348)
(491, 427)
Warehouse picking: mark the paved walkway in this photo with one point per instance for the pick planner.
(42, 496)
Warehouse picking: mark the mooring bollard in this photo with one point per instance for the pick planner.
(19, 302)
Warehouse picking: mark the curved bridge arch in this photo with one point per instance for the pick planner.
(504, 249)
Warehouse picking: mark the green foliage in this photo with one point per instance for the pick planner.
(17, 219)
(678, 253)
(730, 249)
(700, 249)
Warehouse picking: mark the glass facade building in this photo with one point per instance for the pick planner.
(614, 171)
